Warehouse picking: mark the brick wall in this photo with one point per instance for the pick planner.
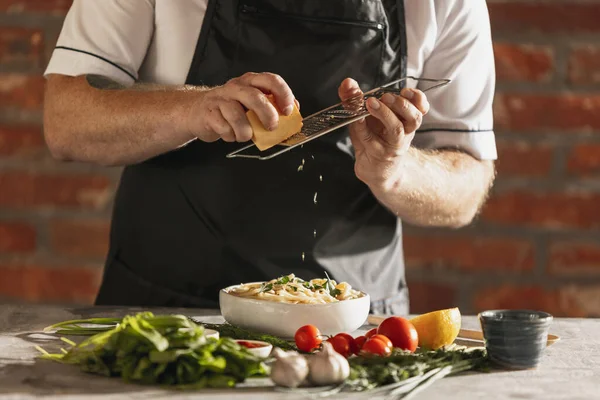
(54, 217)
(536, 243)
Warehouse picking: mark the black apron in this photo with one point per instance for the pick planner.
(190, 222)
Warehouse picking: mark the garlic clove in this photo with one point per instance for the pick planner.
(328, 367)
(289, 370)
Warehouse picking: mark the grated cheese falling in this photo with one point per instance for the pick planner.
(315, 198)
(302, 256)
(315, 233)
(321, 178)
(300, 168)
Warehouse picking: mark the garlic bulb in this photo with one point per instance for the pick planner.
(328, 367)
(290, 368)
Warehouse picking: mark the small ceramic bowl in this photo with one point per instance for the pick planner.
(257, 347)
(515, 339)
(211, 333)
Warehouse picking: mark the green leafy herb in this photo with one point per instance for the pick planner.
(283, 280)
(266, 287)
(169, 350)
(333, 292)
(372, 372)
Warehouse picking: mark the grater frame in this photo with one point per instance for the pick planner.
(322, 122)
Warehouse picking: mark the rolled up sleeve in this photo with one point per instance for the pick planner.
(461, 115)
(104, 37)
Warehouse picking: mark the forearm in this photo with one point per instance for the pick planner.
(91, 119)
(445, 188)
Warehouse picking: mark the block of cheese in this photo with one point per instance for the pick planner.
(288, 126)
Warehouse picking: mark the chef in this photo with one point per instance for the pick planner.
(161, 88)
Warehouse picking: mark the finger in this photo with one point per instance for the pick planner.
(350, 94)
(394, 129)
(409, 114)
(234, 114)
(348, 88)
(254, 99)
(417, 98)
(220, 126)
(278, 87)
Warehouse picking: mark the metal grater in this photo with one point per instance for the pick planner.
(330, 119)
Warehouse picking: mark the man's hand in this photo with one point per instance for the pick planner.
(381, 140)
(422, 187)
(220, 113)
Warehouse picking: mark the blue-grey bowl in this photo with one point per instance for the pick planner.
(515, 339)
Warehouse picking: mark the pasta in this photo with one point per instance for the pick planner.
(291, 289)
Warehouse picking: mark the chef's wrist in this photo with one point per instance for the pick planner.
(391, 179)
(190, 114)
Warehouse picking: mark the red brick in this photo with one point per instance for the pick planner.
(584, 159)
(544, 210)
(21, 190)
(539, 112)
(41, 283)
(21, 91)
(523, 159)
(584, 65)
(21, 44)
(86, 238)
(21, 141)
(426, 297)
(566, 16)
(468, 253)
(516, 62)
(568, 301)
(572, 258)
(41, 6)
(16, 237)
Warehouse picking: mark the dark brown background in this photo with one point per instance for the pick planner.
(536, 244)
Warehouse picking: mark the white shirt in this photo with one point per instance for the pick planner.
(154, 41)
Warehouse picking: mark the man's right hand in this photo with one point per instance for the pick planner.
(220, 113)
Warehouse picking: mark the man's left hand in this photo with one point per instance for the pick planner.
(382, 139)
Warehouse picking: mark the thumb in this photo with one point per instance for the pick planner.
(349, 88)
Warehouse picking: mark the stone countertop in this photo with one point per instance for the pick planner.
(570, 369)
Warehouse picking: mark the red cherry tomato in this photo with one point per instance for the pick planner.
(376, 347)
(351, 342)
(371, 333)
(384, 339)
(343, 344)
(401, 332)
(308, 338)
(359, 342)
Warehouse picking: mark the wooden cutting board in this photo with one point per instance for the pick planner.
(464, 335)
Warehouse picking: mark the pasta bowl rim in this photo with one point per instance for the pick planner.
(227, 289)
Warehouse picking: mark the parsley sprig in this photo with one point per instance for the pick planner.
(332, 289)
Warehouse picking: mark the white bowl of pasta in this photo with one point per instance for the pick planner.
(280, 306)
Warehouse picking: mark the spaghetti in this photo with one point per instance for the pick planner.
(291, 289)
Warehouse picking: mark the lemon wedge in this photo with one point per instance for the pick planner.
(437, 328)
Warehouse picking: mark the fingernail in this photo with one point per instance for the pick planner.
(388, 99)
(408, 94)
(374, 103)
(352, 83)
(288, 110)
